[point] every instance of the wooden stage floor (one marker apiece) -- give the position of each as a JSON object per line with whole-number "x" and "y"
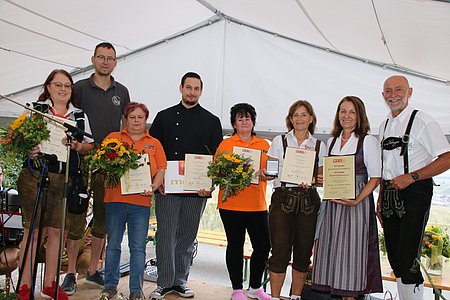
{"x": 203, "y": 291}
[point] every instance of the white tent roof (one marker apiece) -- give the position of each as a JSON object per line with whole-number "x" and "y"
{"x": 268, "y": 53}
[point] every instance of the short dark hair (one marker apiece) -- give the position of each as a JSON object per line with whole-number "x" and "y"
{"x": 191, "y": 75}
{"x": 46, "y": 94}
{"x": 309, "y": 108}
{"x": 130, "y": 107}
{"x": 242, "y": 110}
{"x": 104, "y": 45}
{"x": 362, "y": 122}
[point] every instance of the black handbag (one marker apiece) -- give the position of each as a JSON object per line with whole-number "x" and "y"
{"x": 78, "y": 199}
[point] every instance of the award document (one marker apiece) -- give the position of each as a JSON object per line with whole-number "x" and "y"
{"x": 174, "y": 178}
{"x": 57, "y": 132}
{"x": 136, "y": 181}
{"x": 196, "y": 172}
{"x": 298, "y": 166}
{"x": 254, "y": 155}
{"x": 339, "y": 177}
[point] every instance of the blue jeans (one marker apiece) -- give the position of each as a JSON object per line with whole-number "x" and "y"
{"x": 136, "y": 217}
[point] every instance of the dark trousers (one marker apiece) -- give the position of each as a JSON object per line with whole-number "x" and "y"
{"x": 404, "y": 235}
{"x": 256, "y": 224}
{"x": 292, "y": 224}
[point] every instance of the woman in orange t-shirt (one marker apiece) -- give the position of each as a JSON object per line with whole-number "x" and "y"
{"x": 131, "y": 211}
{"x": 247, "y": 211}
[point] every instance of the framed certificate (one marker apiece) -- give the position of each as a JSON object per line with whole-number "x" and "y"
{"x": 196, "y": 172}
{"x": 298, "y": 166}
{"x": 136, "y": 181}
{"x": 174, "y": 178}
{"x": 254, "y": 155}
{"x": 57, "y": 132}
{"x": 339, "y": 177}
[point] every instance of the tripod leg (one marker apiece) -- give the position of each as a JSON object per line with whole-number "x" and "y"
{"x": 32, "y": 237}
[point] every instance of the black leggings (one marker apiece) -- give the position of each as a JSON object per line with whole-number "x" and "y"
{"x": 404, "y": 235}
{"x": 256, "y": 224}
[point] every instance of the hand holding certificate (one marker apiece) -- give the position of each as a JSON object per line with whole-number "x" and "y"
{"x": 339, "y": 177}
{"x": 196, "y": 172}
{"x": 136, "y": 181}
{"x": 298, "y": 166}
{"x": 54, "y": 144}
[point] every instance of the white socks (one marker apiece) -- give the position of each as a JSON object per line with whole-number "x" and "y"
{"x": 296, "y": 297}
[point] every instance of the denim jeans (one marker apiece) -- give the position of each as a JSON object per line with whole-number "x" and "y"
{"x": 136, "y": 217}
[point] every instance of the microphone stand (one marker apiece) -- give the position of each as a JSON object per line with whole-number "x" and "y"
{"x": 71, "y": 130}
{"x": 76, "y": 131}
{"x": 63, "y": 215}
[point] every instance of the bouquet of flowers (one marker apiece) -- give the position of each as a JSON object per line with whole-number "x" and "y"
{"x": 435, "y": 243}
{"x": 112, "y": 158}
{"x": 230, "y": 172}
{"x": 16, "y": 142}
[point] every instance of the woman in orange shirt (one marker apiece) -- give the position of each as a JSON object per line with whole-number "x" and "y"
{"x": 247, "y": 211}
{"x": 132, "y": 211}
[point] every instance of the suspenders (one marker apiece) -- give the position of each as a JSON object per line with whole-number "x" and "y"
{"x": 404, "y": 142}
{"x": 316, "y": 163}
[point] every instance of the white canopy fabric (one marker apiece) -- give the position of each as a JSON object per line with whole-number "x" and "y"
{"x": 264, "y": 52}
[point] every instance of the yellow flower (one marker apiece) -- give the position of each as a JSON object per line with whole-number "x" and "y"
{"x": 17, "y": 122}
{"x": 113, "y": 143}
{"x": 239, "y": 169}
{"x": 100, "y": 152}
{"x": 436, "y": 237}
{"x": 430, "y": 246}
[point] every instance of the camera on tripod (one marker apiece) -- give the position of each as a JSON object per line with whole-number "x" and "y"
{"x": 10, "y": 218}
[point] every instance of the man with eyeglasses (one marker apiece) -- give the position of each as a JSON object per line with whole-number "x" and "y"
{"x": 103, "y": 99}
{"x": 414, "y": 149}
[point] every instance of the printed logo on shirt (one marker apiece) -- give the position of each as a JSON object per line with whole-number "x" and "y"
{"x": 151, "y": 147}
{"x": 116, "y": 100}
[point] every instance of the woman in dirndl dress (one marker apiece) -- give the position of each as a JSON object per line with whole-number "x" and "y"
{"x": 346, "y": 256}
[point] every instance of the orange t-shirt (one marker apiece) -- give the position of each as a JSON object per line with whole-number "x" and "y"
{"x": 253, "y": 197}
{"x": 146, "y": 144}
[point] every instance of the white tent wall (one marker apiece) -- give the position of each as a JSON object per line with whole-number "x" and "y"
{"x": 241, "y": 64}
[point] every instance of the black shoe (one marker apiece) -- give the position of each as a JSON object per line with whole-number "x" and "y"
{"x": 69, "y": 284}
{"x": 183, "y": 291}
{"x": 160, "y": 292}
{"x": 136, "y": 296}
{"x": 108, "y": 293}
{"x": 95, "y": 279}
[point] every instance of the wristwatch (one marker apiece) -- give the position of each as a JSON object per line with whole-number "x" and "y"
{"x": 415, "y": 176}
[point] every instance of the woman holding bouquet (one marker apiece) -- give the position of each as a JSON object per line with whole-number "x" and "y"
{"x": 247, "y": 211}
{"x": 294, "y": 207}
{"x": 132, "y": 210}
{"x": 57, "y": 99}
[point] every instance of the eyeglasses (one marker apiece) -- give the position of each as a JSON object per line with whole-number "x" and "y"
{"x": 105, "y": 58}
{"x": 60, "y": 86}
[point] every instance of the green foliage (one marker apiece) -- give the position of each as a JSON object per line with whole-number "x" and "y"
{"x": 231, "y": 172}
{"x": 16, "y": 142}
{"x": 112, "y": 158}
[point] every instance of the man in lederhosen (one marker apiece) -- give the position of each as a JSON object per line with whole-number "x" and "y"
{"x": 414, "y": 150}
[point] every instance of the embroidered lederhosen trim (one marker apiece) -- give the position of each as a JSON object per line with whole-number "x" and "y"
{"x": 298, "y": 200}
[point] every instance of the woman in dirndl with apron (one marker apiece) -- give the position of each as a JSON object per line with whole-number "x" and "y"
{"x": 346, "y": 256}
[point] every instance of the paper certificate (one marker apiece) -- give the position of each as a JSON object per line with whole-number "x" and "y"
{"x": 174, "y": 178}
{"x": 54, "y": 144}
{"x": 196, "y": 172}
{"x": 298, "y": 166}
{"x": 339, "y": 177}
{"x": 136, "y": 181}
{"x": 254, "y": 155}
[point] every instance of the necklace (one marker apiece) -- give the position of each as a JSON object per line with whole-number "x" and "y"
{"x": 345, "y": 140}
